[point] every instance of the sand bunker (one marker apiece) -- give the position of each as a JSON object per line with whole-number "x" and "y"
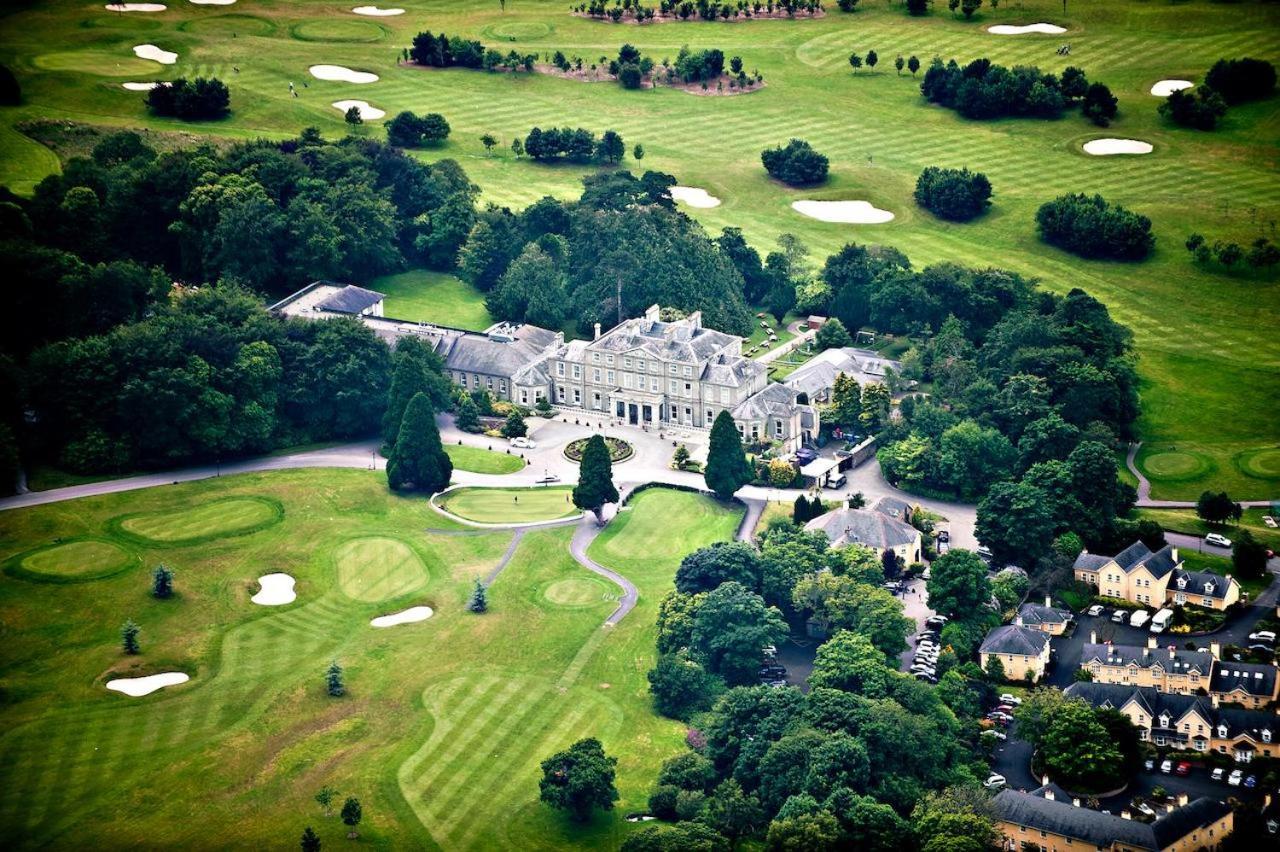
{"x": 345, "y": 75}
{"x": 1006, "y": 29}
{"x": 1165, "y": 88}
{"x": 135, "y": 7}
{"x": 139, "y": 686}
{"x": 368, "y": 113}
{"x": 847, "y": 212}
{"x": 213, "y": 2}
{"x": 375, "y": 12}
{"x": 1103, "y": 147}
{"x": 141, "y": 87}
{"x": 277, "y": 590}
{"x": 408, "y": 616}
{"x": 694, "y": 196}
{"x": 155, "y": 54}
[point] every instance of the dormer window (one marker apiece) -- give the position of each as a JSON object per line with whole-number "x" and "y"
{"x": 1208, "y": 588}
{"x": 1266, "y": 735}
{"x": 1182, "y": 582}
{"x": 1222, "y": 731}
{"x": 1164, "y": 720}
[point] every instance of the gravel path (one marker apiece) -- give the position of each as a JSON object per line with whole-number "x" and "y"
{"x": 582, "y": 538}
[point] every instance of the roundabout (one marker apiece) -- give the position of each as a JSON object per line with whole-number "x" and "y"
{"x": 619, "y": 450}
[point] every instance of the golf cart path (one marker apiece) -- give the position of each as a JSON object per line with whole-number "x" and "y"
{"x": 582, "y": 538}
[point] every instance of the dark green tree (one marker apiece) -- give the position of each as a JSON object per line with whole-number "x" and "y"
{"x": 727, "y": 469}
{"x": 333, "y": 681}
{"x": 162, "y": 582}
{"x": 310, "y": 840}
{"x": 1248, "y": 556}
{"x": 832, "y": 334}
{"x": 595, "y": 479}
{"x": 418, "y": 461}
{"x": 579, "y": 779}
{"x": 325, "y": 797}
{"x": 706, "y": 568}
{"x": 467, "y": 417}
{"x": 351, "y": 815}
{"x": 514, "y": 427}
{"x": 958, "y": 584}
{"x": 730, "y": 629}
{"x": 681, "y": 687}
{"x": 479, "y": 598}
{"x": 129, "y": 637}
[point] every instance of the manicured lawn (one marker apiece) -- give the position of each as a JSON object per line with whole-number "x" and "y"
{"x": 73, "y": 561}
{"x": 760, "y": 335}
{"x": 479, "y": 460}
{"x": 436, "y": 297}
{"x": 509, "y": 505}
{"x": 201, "y": 521}
{"x": 444, "y": 723}
{"x": 1209, "y": 358}
{"x": 1186, "y": 521}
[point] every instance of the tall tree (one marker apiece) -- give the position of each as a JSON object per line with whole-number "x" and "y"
{"x": 479, "y": 598}
{"x": 958, "y": 585}
{"x": 129, "y": 637}
{"x": 595, "y": 479}
{"x": 162, "y": 582}
{"x": 418, "y": 461}
{"x": 731, "y": 627}
{"x": 310, "y": 840}
{"x": 351, "y": 815}
{"x": 579, "y": 779}
{"x": 333, "y": 680}
{"x": 727, "y": 469}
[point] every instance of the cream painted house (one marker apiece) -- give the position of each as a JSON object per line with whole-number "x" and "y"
{"x": 1140, "y": 576}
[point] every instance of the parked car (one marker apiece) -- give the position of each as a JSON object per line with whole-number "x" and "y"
{"x": 994, "y": 781}
{"x": 1139, "y": 618}
{"x": 1251, "y": 782}
{"x": 1149, "y": 765}
{"x": 999, "y": 716}
{"x": 1095, "y": 610}
{"x": 838, "y": 481}
{"x": 1166, "y": 767}
{"x": 1143, "y": 807}
{"x": 1217, "y": 773}
{"x": 943, "y": 535}
{"x": 927, "y": 635}
{"x": 992, "y": 733}
{"x": 1235, "y": 778}
{"x": 1217, "y": 540}
{"x": 1120, "y": 616}
{"x": 938, "y": 621}
{"x": 1263, "y": 636}
{"x": 523, "y": 443}
{"x": 1006, "y": 698}
{"x": 1260, "y": 646}
{"x": 1005, "y": 708}
{"x": 548, "y": 479}
{"x": 804, "y": 455}
{"x": 1184, "y": 768}
{"x": 926, "y": 677}
{"x": 983, "y": 551}
{"x": 773, "y": 672}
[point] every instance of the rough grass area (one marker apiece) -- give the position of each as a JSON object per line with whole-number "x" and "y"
{"x": 443, "y": 726}
{"x": 509, "y": 505}
{"x": 436, "y": 297}
{"x": 478, "y": 460}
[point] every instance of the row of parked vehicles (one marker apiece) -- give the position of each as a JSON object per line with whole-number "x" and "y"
{"x": 1135, "y": 617}
{"x": 1234, "y": 778}
{"x": 924, "y": 663}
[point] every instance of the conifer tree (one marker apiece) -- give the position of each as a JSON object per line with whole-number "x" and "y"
{"x": 310, "y": 841}
{"x": 418, "y": 461}
{"x": 595, "y": 479}
{"x": 467, "y": 417}
{"x": 408, "y": 380}
{"x": 129, "y": 637}
{"x": 352, "y": 813}
{"x": 479, "y": 598}
{"x": 727, "y": 469}
{"x": 333, "y": 680}
{"x": 515, "y": 426}
{"x": 162, "y": 582}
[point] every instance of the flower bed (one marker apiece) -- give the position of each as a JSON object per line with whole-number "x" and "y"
{"x": 619, "y": 450}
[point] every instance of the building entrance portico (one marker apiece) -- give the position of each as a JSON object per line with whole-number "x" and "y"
{"x": 637, "y": 409}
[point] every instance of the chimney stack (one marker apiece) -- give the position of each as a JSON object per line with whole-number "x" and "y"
{"x": 597, "y": 332}
{"x": 1124, "y": 814}
{"x": 1173, "y": 652}
{"x": 1151, "y": 641}
{"x": 1075, "y": 803}
{"x": 1017, "y": 619}
{"x": 1182, "y": 800}
{"x": 1169, "y": 809}
{"x": 1048, "y": 601}
{"x": 1215, "y": 648}
{"x": 1048, "y": 794}
{"x": 1093, "y": 637}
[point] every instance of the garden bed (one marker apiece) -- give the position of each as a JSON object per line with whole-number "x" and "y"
{"x": 619, "y": 450}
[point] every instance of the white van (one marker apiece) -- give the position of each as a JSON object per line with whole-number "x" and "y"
{"x": 1139, "y": 618}
{"x": 1161, "y": 620}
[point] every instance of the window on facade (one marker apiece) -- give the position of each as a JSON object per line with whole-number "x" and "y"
{"x": 595, "y": 357}
{"x": 524, "y": 396}
{"x": 577, "y": 371}
{"x": 502, "y": 385}
{"x": 777, "y": 428}
{"x": 595, "y": 375}
{"x": 577, "y": 397}
{"x": 626, "y": 362}
{"x": 672, "y": 369}
{"x": 595, "y": 400}
{"x": 688, "y": 389}
{"x": 626, "y": 380}
{"x": 653, "y": 385}
{"x": 672, "y": 385}
{"x": 560, "y": 393}
{"x": 560, "y": 369}
{"x": 608, "y": 359}
{"x": 489, "y": 382}
{"x": 710, "y": 416}
{"x": 611, "y": 377}
{"x": 688, "y": 371}
{"x": 724, "y": 396}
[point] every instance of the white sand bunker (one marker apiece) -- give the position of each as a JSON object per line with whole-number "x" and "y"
{"x": 1007, "y": 29}
{"x": 213, "y": 2}
{"x": 1165, "y": 88}
{"x": 408, "y": 616}
{"x": 847, "y": 212}
{"x": 694, "y": 196}
{"x": 1103, "y": 147}
{"x": 135, "y": 7}
{"x": 375, "y": 12}
{"x": 368, "y": 113}
{"x": 345, "y": 75}
{"x": 277, "y": 590}
{"x": 141, "y": 87}
{"x": 139, "y": 686}
{"x": 155, "y": 54}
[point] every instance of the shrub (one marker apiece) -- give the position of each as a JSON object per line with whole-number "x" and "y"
{"x": 983, "y": 89}
{"x": 1099, "y": 104}
{"x": 954, "y": 194}
{"x": 1199, "y": 108}
{"x": 191, "y": 100}
{"x": 1091, "y": 227}
{"x": 1240, "y": 80}
{"x": 408, "y": 130}
{"x": 798, "y": 164}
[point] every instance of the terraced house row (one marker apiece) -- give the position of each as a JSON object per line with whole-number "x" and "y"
{"x": 646, "y": 371}
{"x": 1172, "y": 670}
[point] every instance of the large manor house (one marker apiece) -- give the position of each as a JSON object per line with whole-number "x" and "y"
{"x": 644, "y": 371}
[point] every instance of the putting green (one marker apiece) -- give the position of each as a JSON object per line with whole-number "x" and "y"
{"x": 131, "y": 23}
{"x": 378, "y": 569}
{"x": 1260, "y": 464}
{"x": 1175, "y": 465}
{"x": 477, "y": 460}
{"x": 576, "y": 591}
{"x": 519, "y": 30}
{"x": 231, "y": 516}
{"x": 73, "y": 561}
{"x": 339, "y": 31}
{"x": 103, "y": 63}
{"x": 229, "y": 25}
{"x": 509, "y": 505}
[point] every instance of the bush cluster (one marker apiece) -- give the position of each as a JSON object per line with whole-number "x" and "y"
{"x": 1092, "y": 227}
{"x": 408, "y": 130}
{"x": 444, "y": 52}
{"x": 576, "y": 145}
{"x": 1240, "y": 80}
{"x": 955, "y": 194}
{"x": 984, "y": 90}
{"x": 200, "y": 99}
{"x": 1199, "y": 108}
{"x": 798, "y": 164}
{"x": 1260, "y": 255}
{"x": 707, "y": 10}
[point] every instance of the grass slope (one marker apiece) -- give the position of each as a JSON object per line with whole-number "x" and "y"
{"x": 1208, "y": 358}
{"x": 478, "y": 460}
{"x": 445, "y": 720}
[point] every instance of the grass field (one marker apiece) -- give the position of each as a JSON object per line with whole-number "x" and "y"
{"x": 509, "y": 505}
{"x": 444, "y": 722}
{"x": 425, "y": 296}
{"x": 1210, "y": 361}
{"x": 477, "y": 460}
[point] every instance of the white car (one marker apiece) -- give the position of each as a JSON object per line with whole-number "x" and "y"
{"x": 1263, "y": 636}
{"x": 1095, "y": 610}
{"x": 523, "y": 443}
{"x": 1217, "y": 773}
{"x": 1217, "y": 540}
{"x": 983, "y": 551}
{"x": 1166, "y": 767}
{"x": 1006, "y": 698}
{"x": 994, "y": 781}
{"x": 995, "y": 735}
{"x": 1235, "y": 778}
{"x": 1143, "y": 807}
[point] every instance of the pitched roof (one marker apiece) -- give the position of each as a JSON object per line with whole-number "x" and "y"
{"x": 1034, "y": 810}
{"x": 862, "y": 526}
{"x": 1201, "y": 583}
{"x": 732, "y": 370}
{"x": 683, "y": 340}
{"x": 1169, "y": 658}
{"x": 351, "y": 300}
{"x": 1012, "y": 639}
{"x": 1253, "y": 678}
{"x": 892, "y": 506}
{"x": 1192, "y": 816}
{"x": 1091, "y": 561}
{"x": 501, "y": 351}
{"x": 1238, "y": 721}
{"x": 1033, "y": 614}
{"x": 1133, "y": 557}
{"x": 773, "y": 400}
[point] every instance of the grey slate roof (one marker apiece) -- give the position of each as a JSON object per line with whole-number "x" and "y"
{"x": 1102, "y": 830}
{"x": 683, "y": 341}
{"x": 1087, "y": 561}
{"x": 1012, "y": 639}
{"x": 1143, "y": 657}
{"x": 862, "y": 526}
{"x": 1199, "y": 583}
{"x": 732, "y": 370}
{"x": 891, "y": 506}
{"x": 773, "y": 400}
{"x": 502, "y": 351}
{"x": 1252, "y": 678}
{"x": 1131, "y": 558}
{"x": 1033, "y": 614}
{"x": 351, "y": 300}
{"x": 1239, "y": 721}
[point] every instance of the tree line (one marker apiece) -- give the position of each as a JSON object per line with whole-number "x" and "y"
{"x": 200, "y": 99}
{"x": 985, "y": 90}
{"x": 443, "y": 51}
{"x": 706, "y": 10}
